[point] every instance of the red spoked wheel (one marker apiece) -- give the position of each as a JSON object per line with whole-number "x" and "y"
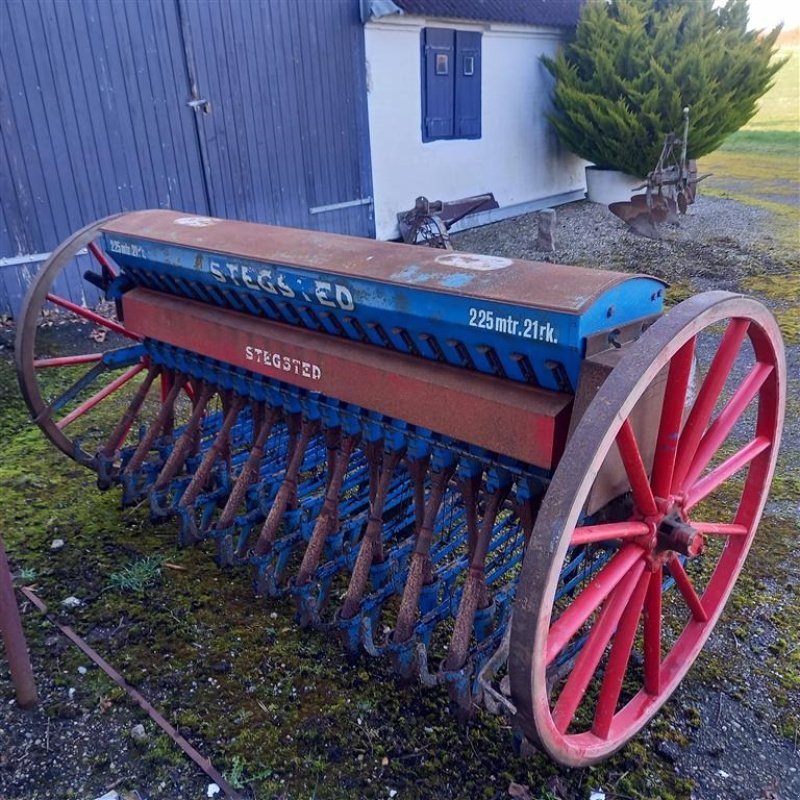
{"x": 612, "y": 609}
{"x": 78, "y": 366}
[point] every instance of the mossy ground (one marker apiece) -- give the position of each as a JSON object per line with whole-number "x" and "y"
{"x": 280, "y": 709}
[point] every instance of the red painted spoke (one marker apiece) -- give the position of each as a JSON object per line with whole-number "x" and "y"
{"x": 680, "y": 370}
{"x": 166, "y": 384}
{"x": 100, "y": 396}
{"x": 730, "y": 466}
{"x": 684, "y": 584}
{"x": 589, "y": 534}
{"x": 634, "y": 467}
{"x": 102, "y": 259}
{"x": 719, "y": 529}
{"x": 593, "y": 649}
{"x": 707, "y": 398}
{"x": 582, "y": 607}
{"x": 67, "y": 361}
{"x": 652, "y": 634}
{"x": 92, "y": 316}
{"x": 728, "y": 417}
{"x": 618, "y": 659}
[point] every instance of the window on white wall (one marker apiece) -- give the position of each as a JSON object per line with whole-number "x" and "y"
{"x": 451, "y": 84}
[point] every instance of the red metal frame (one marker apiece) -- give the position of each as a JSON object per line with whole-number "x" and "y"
{"x": 92, "y": 316}
{"x": 505, "y": 417}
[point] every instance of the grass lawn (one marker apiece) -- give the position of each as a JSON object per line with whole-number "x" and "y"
{"x": 760, "y": 164}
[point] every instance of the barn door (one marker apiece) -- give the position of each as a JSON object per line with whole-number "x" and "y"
{"x": 279, "y": 99}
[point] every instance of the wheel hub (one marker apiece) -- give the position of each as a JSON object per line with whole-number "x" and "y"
{"x": 678, "y": 536}
{"x": 669, "y": 535}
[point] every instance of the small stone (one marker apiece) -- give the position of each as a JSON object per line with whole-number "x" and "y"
{"x": 384, "y": 762}
{"x": 273, "y": 615}
{"x": 57, "y": 544}
{"x": 212, "y": 790}
{"x": 669, "y": 751}
{"x": 82, "y": 670}
{"x": 722, "y": 773}
{"x": 71, "y": 602}
{"x": 139, "y": 734}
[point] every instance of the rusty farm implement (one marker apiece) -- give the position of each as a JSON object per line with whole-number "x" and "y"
{"x": 670, "y": 188}
{"x": 502, "y": 476}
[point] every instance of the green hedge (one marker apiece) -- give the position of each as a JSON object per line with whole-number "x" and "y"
{"x": 633, "y": 65}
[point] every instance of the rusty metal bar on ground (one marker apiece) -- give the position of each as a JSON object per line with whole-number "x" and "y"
{"x": 141, "y": 701}
{"x": 19, "y": 660}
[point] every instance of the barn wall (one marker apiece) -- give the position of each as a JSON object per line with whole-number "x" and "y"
{"x": 518, "y": 157}
{"x": 95, "y": 119}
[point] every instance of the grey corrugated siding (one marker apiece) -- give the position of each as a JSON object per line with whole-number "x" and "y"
{"x": 93, "y": 117}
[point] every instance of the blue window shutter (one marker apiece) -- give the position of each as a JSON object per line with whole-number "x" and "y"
{"x": 439, "y": 66}
{"x": 468, "y": 85}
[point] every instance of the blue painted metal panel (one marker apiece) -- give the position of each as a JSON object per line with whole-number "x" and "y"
{"x": 286, "y": 125}
{"x": 400, "y": 314}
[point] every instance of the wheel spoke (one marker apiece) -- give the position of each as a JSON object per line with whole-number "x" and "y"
{"x": 634, "y": 467}
{"x": 619, "y": 658}
{"x": 589, "y": 534}
{"x": 102, "y": 259}
{"x": 582, "y": 607}
{"x": 684, "y": 584}
{"x": 719, "y": 529}
{"x": 67, "y": 361}
{"x": 69, "y": 394}
{"x": 593, "y": 649}
{"x": 730, "y": 466}
{"x": 652, "y": 634}
{"x": 680, "y": 370}
{"x": 100, "y": 396}
{"x": 728, "y": 417}
{"x": 707, "y": 398}
{"x": 92, "y": 316}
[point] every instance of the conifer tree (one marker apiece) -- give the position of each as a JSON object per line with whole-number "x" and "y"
{"x": 621, "y": 84}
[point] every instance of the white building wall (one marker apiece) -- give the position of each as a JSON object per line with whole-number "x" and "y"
{"x": 518, "y": 156}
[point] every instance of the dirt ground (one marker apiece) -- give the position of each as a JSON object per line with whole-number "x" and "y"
{"x": 283, "y": 714}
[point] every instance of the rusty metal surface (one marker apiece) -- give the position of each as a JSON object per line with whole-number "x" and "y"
{"x": 549, "y": 286}
{"x": 19, "y": 660}
{"x": 429, "y": 221}
{"x": 512, "y": 419}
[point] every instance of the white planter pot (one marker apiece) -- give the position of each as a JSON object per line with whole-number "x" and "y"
{"x": 609, "y": 185}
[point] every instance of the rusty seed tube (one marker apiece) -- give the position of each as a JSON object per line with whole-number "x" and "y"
{"x": 156, "y": 426}
{"x": 123, "y": 426}
{"x": 371, "y": 545}
{"x": 327, "y": 519}
{"x": 287, "y": 491}
{"x": 420, "y": 560}
{"x": 187, "y": 441}
{"x": 474, "y": 593}
{"x": 245, "y": 477}
{"x": 200, "y": 478}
